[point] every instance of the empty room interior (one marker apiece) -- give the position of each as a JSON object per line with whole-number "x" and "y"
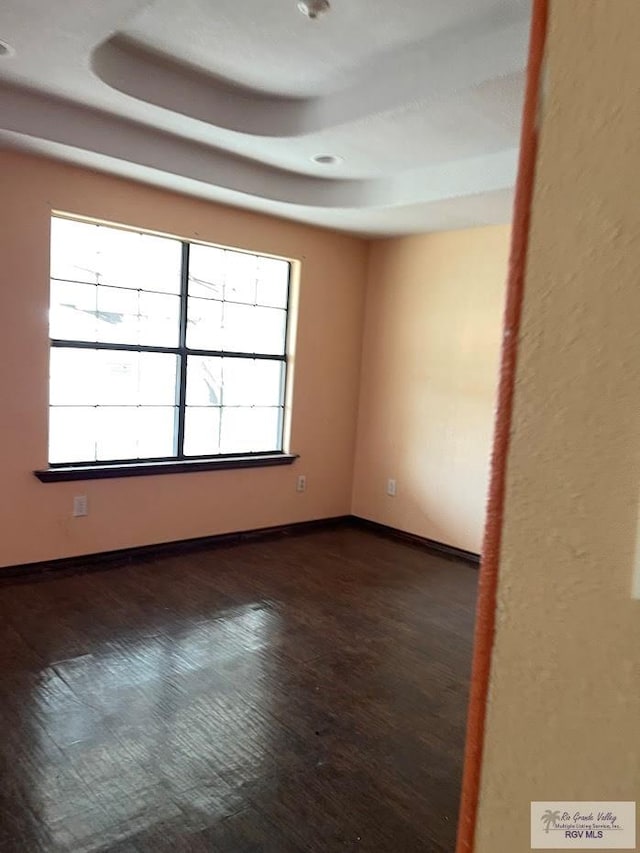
{"x": 254, "y": 267}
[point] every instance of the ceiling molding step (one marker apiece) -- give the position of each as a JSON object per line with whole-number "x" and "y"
{"x": 374, "y": 120}
{"x": 420, "y": 73}
{"x": 31, "y": 114}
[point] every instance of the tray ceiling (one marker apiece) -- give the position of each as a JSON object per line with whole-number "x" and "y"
{"x": 232, "y": 99}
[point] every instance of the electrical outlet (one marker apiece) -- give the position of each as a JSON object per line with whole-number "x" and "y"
{"x": 391, "y": 488}
{"x": 80, "y": 506}
{"x": 301, "y": 483}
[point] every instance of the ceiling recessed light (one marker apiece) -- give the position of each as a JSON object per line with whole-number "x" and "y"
{"x": 327, "y": 159}
{"x": 5, "y": 49}
{"x": 314, "y": 8}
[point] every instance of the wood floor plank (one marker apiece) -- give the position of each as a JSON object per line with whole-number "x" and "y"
{"x": 301, "y": 694}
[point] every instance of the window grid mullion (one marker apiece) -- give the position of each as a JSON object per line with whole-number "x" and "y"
{"x": 108, "y": 345}
{"x": 213, "y": 353}
{"x": 182, "y": 345}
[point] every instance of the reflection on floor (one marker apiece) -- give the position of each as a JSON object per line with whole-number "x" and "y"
{"x": 300, "y": 694}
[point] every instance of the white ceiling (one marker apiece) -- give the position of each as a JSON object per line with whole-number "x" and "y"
{"x": 230, "y": 100}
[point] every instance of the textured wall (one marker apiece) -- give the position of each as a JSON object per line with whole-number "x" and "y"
{"x": 430, "y": 362}
{"x": 564, "y": 706}
{"x": 35, "y": 518}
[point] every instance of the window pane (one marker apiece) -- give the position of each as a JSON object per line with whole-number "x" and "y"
{"x": 204, "y": 381}
{"x": 158, "y": 379}
{"x": 156, "y": 431}
{"x": 134, "y": 379}
{"x": 254, "y": 329}
{"x": 159, "y": 319}
{"x": 206, "y": 271}
{"x": 273, "y": 282}
{"x": 204, "y": 324}
{"x": 72, "y": 375}
{"x": 82, "y": 251}
{"x": 161, "y": 264}
{"x": 249, "y": 382}
{"x": 269, "y": 383}
{"x": 116, "y": 432}
{"x": 251, "y": 329}
{"x": 272, "y": 329}
{"x": 246, "y": 430}
{"x": 238, "y": 381}
{"x": 72, "y": 434}
{"x": 74, "y": 250}
{"x": 132, "y": 432}
{"x": 236, "y": 431}
{"x": 110, "y": 378}
{"x": 117, "y": 378}
{"x": 83, "y": 312}
{"x": 202, "y": 431}
{"x": 72, "y": 314}
{"x": 240, "y": 278}
{"x": 117, "y": 315}
{"x": 238, "y": 335}
{"x": 139, "y": 261}
{"x": 267, "y": 428}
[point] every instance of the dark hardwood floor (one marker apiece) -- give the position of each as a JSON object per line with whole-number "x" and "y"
{"x": 301, "y": 694}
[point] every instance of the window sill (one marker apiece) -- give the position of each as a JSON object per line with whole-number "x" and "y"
{"x": 173, "y": 466}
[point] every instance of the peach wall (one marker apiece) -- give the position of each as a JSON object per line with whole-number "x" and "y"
{"x": 563, "y": 718}
{"x": 430, "y": 361}
{"x": 35, "y": 518}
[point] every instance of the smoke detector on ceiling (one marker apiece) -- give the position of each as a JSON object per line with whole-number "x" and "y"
{"x": 327, "y": 159}
{"x": 314, "y": 8}
{"x": 5, "y": 49}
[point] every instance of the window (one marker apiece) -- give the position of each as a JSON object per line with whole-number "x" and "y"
{"x": 162, "y": 349}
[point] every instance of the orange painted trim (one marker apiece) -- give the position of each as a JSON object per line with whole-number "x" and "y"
{"x": 485, "y": 617}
